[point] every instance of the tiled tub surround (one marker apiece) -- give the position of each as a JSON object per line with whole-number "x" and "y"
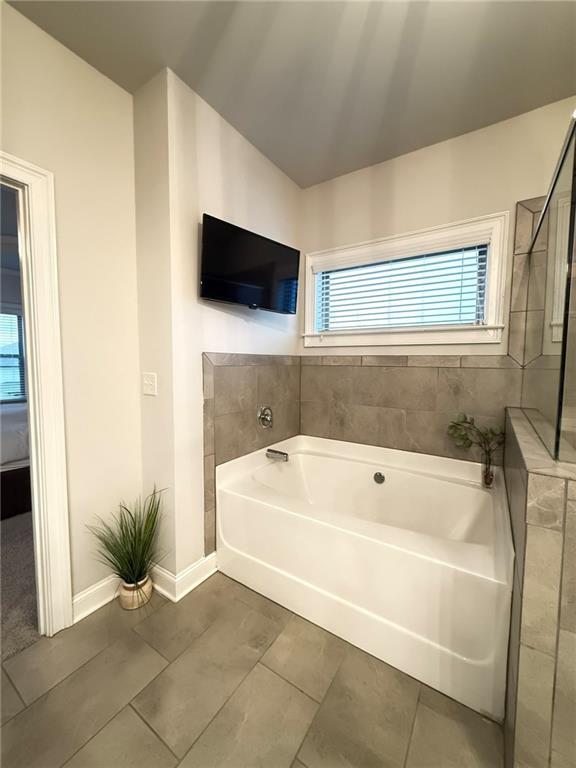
{"x": 541, "y": 708}
{"x": 235, "y": 386}
{"x": 405, "y": 402}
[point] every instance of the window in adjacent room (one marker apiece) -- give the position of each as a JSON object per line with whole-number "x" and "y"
{"x": 438, "y": 286}
{"x": 12, "y": 363}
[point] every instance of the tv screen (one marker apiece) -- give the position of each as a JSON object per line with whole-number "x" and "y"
{"x": 244, "y": 268}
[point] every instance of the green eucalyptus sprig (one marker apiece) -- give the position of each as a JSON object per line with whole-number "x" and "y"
{"x": 466, "y": 433}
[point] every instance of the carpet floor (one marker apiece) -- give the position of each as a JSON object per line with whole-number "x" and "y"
{"x": 18, "y": 590}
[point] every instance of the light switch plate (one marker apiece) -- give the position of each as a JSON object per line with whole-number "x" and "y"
{"x": 149, "y": 384}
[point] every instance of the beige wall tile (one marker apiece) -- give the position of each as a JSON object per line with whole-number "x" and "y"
{"x": 519, "y": 297}
{"x": 546, "y": 501}
{"x": 541, "y": 242}
{"x": 534, "y": 708}
{"x": 534, "y": 335}
{"x": 488, "y": 361}
{"x": 209, "y": 531}
{"x": 427, "y": 433}
{"x": 540, "y": 392}
{"x": 235, "y": 389}
{"x": 568, "y": 599}
{"x": 537, "y": 280}
{"x": 277, "y": 382}
{"x": 434, "y": 361}
{"x": 541, "y": 592}
{"x": 368, "y": 424}
{"x": 516, "y": 336}
{"x": 209, "y": 487}
{"x": 341, "y": 360}
{"x": 311, "y": 360}
{"x": 517, "y": 490}
{"x": 315, "y": 418}
{"x": 564, "y": 725}
{"x": 523, "y": 230}
{"x": 207, "y": 377}
{"x": 387, "y": 361}
{"x": 239, "y": 433}
{"x": 481, "y": 392}
{"x": 403, "y": 388}
{"x": 208, "y": 426}
{"x": 235, "y": 435}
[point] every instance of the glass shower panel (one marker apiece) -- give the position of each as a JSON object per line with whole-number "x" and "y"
{"x": 545, "y": 385}
{"x": 567, "y": 427}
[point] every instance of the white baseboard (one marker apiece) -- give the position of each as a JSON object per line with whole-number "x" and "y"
{"x": 94, "y": 597}
{"x": 176, "y": 587}
{"x": 168, "y": 585}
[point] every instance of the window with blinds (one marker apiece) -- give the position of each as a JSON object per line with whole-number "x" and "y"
{"x": 432, "y": 290}
{"x": 12, "y": 364}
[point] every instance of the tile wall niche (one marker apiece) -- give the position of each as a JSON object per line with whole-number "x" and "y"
{"x": 235, "y": 386}
{"x": 541, "y": 686}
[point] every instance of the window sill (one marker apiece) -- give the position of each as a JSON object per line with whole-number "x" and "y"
{"x": 406, "y": 337}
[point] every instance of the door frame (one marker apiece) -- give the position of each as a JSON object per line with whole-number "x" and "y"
{"x": 48, "y": 468}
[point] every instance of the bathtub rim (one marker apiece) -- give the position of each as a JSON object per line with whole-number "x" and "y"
{"x": 502, "y": 547}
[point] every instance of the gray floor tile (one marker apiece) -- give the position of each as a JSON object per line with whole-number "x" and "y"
{"x": 11, "y": 702}
{"x": 263, "y": 724}
{"x": 449, "y": 735}
{"x": 173, "y": 627}
{"x": 268, "y": 608}
{"x": 307, "y": 656}
{"x": 180, "y": 703}
{"x": 46, "y": 663}
{"x": 126, "y": 742}
{"x": 55, "y": 726}
{"x": 366, "y": 718}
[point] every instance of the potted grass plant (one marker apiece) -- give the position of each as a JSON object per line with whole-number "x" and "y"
{"x": 466, "y": 433}
{"x": 129, "y": 546}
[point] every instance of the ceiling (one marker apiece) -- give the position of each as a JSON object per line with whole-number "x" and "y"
{"x": 324, "y": 88}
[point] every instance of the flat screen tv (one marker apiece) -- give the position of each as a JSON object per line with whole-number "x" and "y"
{"x": 241, "y": 267}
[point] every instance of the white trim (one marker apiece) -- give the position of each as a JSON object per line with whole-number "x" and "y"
{"x": 168, "y": 585}
{"x": 176, "y": 587}
{"x": 38, "y": 262}
{"x": 94, "y": 597}
{"x": 491, "y": 229}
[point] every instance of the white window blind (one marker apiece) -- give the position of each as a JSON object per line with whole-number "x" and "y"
{"x": 12, "y": 365}
{"x": 437, "y": 289}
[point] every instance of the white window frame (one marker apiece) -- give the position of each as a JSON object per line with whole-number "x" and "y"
{"x": 491, "y": 230}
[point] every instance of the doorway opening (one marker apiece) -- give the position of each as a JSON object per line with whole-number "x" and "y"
{"x": 36, "y": 569}
{"x": 18, "y": 592}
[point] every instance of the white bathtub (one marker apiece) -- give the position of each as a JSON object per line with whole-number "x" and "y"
{"x": 416, "y": 571}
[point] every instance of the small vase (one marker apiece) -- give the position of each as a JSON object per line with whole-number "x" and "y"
{"x": 487, "y": 476}
{"x": 134, "y": 596}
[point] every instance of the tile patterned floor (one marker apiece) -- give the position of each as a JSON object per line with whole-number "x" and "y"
{"x": 224, "y": 679}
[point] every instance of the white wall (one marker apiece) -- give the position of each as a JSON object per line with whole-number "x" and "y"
{"x": 212, "y": 169}
{"x": 482, "y": 172}
{"x": 61, "y": 114}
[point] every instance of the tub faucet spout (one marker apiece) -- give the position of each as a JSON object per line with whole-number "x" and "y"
{"x": 272, "y": 453}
